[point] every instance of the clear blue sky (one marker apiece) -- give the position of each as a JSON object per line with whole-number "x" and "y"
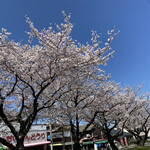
{"x": 131, "y": 62}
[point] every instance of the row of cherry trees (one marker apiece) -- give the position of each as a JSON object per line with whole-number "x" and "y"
{"x": 106, "y": 105}
{"x": 61, "y": 76}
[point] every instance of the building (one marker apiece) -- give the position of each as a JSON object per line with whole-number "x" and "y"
{"x": 35, "y": 139}
{"x": 61, "y": 137}
{"x": 93, "y": 138}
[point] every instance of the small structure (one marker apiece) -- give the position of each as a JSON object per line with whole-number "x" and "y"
{"x": 61, "y": 137}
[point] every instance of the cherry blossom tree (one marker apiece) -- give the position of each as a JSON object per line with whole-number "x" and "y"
{"x": 113, "y": 108}
{"x": 74, "y": 103}
{"x": 105, "y": 109}
{"x": 34, "y": 77}
{"x": 80, "y": 96}
{"x": 139, "y": 123}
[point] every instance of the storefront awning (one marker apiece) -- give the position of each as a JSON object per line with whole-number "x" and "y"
{"x": 36, "y": 144}
{"x": 101, "y": 142}
{"x": 69, "y": 143}
{"x": 60, "y": 144}
{"x": 91, "y": 142}
{"x": 87, "y": 143}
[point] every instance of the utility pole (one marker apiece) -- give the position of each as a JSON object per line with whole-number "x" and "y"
{"x": 51, "y": 135}
{"x": 63, "y": 137}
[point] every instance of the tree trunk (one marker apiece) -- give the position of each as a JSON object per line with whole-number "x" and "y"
{"x": 144, "y": 138}
{"x": 20, "y": 144}
{"x": 77, "y": 134}
{"x": 142, "y": 141}
{"x": 110, "y": 137}
{"x": 112, "y": 144}
{"x": 72, "y": 132}
{"x": 139, "y": 140}
{"x": 77, "y": 146}
{"x": 20, "y": 147}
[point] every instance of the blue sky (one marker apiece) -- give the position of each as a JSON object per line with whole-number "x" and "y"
{"x": 131, "y": 62}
